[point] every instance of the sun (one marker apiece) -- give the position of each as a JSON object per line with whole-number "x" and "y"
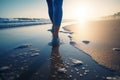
{"x": 81, "y": 13}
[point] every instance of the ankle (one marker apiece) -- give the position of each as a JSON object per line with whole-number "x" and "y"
{"x": 55, "y": 35}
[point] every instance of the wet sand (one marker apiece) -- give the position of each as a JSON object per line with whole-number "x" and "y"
{"x": 26, "y": 53}
{"x": 102, "y": 39}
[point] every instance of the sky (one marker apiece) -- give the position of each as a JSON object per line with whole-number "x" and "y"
{"x": 72, "y": 9}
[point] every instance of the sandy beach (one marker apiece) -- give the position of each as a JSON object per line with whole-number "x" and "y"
{"x": 26, "y": 53}
{"x": 99, "y": 39}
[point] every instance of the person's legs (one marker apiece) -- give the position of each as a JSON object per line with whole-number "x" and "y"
{"x": 50, "y": 9}
{"x": 57, "y": 16}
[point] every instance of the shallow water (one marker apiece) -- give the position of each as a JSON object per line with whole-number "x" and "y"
{"x": 103, "y": 36}
{"x": 25, "y": 54}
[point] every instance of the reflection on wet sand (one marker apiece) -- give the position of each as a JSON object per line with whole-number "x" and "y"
{"x": 103, "y": 38}
{"x": 57, "y": 68}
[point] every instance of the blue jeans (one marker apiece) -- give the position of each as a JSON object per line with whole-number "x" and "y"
{"x": 55, "y": 11}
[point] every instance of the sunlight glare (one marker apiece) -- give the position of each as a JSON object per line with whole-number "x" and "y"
{"x": 82, "y": 13}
